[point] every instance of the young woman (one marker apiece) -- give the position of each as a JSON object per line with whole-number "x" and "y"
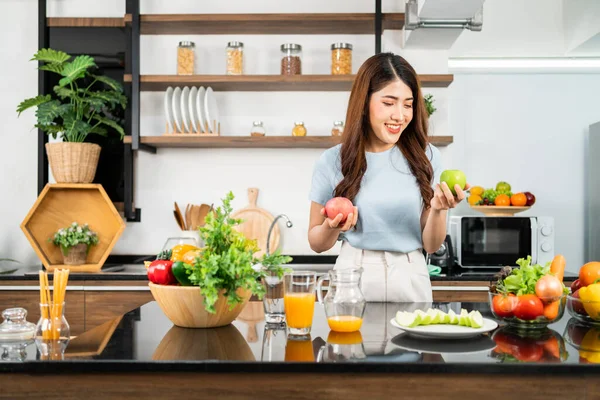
{"x": 387, "y": 168}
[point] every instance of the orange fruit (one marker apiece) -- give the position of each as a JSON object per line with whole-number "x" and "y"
{"x": 502, "y": 200}
{"x": 473, "y": 199}
{"x": 518, "y": 199}
{"x": 477, "y": 190}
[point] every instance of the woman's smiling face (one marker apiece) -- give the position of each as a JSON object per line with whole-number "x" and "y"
{"x": 390, "y": 112}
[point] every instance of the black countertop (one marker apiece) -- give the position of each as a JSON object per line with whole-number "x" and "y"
{"x": 145, "y": 340}
{"x": 133, "y": 272}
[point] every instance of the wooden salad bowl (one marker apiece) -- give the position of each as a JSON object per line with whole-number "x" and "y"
{"x": 184, "y": 306}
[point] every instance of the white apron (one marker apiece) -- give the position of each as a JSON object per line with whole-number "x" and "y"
{"x": 389, "y": 276}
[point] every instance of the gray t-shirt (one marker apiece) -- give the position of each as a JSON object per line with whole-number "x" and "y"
{"x": 389, "y": 201}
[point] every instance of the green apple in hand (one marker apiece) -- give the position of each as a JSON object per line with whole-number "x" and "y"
{"x": 454, "y": 177}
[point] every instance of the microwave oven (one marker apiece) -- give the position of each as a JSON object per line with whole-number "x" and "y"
{"x": 490, "y": 242}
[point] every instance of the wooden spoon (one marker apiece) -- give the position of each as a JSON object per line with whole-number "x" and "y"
{"x": 188, "y": 216}
{"x": 195, "y": 217}
{"x": 179, "y": 217}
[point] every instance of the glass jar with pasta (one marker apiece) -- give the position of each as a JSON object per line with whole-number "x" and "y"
{"x": 235, "y": 58}
{"x": 341, "y": 58}
{"x": 186, "y": 58}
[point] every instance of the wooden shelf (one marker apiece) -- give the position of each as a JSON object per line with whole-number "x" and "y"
{"x": 216, "y": 24}
{"x": 273, "y": 142}
{"x": 243, "y": 83}
{"x": 85, "y": 22}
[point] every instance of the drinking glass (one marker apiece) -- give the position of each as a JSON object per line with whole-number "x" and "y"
{"x": 299, "y": 301}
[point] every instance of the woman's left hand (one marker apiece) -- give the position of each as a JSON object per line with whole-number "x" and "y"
{"x": 443, "y": 199}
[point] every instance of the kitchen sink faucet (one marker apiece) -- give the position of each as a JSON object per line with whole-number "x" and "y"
{"x": 288, "y": 224}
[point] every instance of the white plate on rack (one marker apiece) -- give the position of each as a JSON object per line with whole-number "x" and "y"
{"x": 176, "y": 106}
{"x": 168, "y": 110}
{"x": 192, "y": 108}
{"x": 445, "y": 331}
{"x": 185, "y": 109}
{"x": 211, "y": 111}
{"x": 200, "y": 109}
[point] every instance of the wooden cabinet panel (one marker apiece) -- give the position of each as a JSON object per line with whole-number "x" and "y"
{"x": 103, "y": 306}
{"x": 30, "y": 300}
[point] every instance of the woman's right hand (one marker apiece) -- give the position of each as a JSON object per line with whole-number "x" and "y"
{"x": 335, "y": 223}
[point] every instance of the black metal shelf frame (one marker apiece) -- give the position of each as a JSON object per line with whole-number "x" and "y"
{"x": 132, "y": 90}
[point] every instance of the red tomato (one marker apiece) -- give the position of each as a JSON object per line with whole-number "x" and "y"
{"x": 529, "y": 307}
{"x": 529, "y": 352}
{"x": 503, "y": 306}
{"x": 577, "y": 304}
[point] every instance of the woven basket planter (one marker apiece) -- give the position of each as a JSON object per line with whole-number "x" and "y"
{"x": 76, "y": 255}
{"x": 73, "y": 162}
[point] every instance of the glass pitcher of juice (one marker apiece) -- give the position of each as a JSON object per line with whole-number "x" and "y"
{"x": 344, "y": 302}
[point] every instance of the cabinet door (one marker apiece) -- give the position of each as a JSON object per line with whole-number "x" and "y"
{"x": 104, "y": 305}
{"x": 30, "y": 300}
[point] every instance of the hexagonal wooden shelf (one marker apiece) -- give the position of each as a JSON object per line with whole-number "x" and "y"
{"x": 61, "y": 204}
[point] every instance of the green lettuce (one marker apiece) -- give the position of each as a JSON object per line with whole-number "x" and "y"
{"x": 522, "y": 280}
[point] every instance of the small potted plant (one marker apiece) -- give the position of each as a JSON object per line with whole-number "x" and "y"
{"x": 429, "y": 104}
{"x": 83, "y": 103}
{"x": 75, "y": 242}
{"x": 272, "y": 268}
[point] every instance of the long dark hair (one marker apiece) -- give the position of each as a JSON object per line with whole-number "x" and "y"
{"x": 377, "y": 72}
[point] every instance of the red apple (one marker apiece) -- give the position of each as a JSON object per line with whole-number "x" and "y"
{"x": 577, "y": 304}
{"x": 575, "y": 286}
{"x": 530, "y": 199}
{"x": 339, "y": 205}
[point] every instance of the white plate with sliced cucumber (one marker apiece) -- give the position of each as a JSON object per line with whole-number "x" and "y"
{"x": 437, "y": 324}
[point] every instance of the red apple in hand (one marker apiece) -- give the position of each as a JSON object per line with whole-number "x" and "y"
{"x": 339, "y": 205}
{"x": 530, "y": 199}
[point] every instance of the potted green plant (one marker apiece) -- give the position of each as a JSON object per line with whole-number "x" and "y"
{"x": 272, "y": 267}
{"x": 74, "y": 242}
{"x": 429, "y": 104}
{"x": 222, "y": 278}
{"x": 81, "y": 105}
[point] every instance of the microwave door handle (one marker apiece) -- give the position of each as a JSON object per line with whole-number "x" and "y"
{"x": 534, "y": 241}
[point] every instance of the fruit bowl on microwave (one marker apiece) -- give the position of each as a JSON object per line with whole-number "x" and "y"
{"x": 499, "y": 201}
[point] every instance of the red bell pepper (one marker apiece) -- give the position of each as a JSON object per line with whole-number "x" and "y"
{"x": 159, "y": 271}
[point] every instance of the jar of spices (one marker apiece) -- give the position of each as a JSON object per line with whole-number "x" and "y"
{"x": 185, "y": 58}
{"x": 299, "y": 129}
{"x": 235, "y": 58}
{"x": 291, "y": 61}
{"x": 338, "y": 128}
{"x": 257, "y": 129}
{"x": 341, "y": 58}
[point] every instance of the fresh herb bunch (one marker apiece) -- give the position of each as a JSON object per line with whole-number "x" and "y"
{"x": 226, "y": 260}
{"x": 274, "y": 262}
{"x": 81, "y": 105}
{"x": 429, "y": 104}
{"x": 73, "y": 235}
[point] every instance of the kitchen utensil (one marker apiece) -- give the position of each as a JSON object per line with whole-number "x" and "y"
{"x": 200, "y": 110}
{"x": 203, "y": 211}
{"x": 188, "y": 216}
{"x": 444, "y": 331}
{"x": 211, "y": 110}
{"x": 344, "y": 303}
{"x": 192, "y": 109}
{"x": 195, "y": 217}
{"x": 176, "y": 107}
{"x": 256, "y": 223}
{"x": 180, "y": 219}
{"x": 185, "y": 115}
{"x": 168, "y": 101}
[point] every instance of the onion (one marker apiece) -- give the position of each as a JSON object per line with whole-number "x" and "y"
{"x": 548, "y": 287}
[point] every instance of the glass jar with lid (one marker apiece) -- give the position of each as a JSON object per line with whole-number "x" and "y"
{"x": 291, "y": 60}
{"x": 338, "y": 128}
{"x": 235, "y": 58}
{"x": 341, "y": 58}
{"x": 257, "y": 129}
{"x": 15, "y": 327}
{"x": 186, "y": 58}
{"x": 299, "y": 129}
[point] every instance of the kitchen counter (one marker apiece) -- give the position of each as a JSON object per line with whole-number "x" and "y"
{"x": 248, "y": 359}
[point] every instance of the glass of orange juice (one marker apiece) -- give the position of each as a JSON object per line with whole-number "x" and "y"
{"x": 299, "y": 301}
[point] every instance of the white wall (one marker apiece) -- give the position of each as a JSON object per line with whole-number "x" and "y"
{"x": 482, "y": 112}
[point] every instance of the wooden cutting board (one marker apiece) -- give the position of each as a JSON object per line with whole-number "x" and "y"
{"x": 256, "y": 224}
